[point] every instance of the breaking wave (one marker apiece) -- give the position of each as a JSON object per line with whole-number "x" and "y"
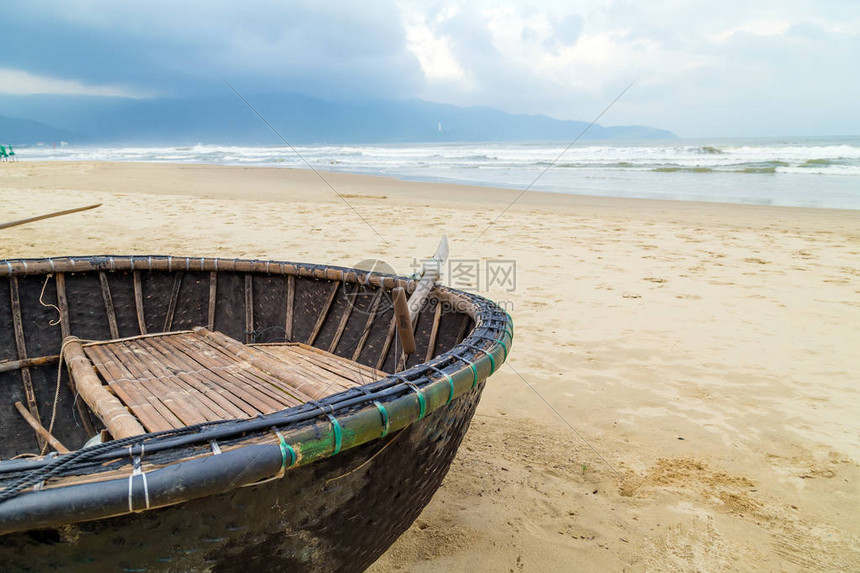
{"x": 645, "y": 169}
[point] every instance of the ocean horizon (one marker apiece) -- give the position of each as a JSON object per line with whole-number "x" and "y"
{"x": 821, "y": 172}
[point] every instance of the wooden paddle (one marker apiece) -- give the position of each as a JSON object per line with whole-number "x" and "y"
{"x": 430, "y": 273}
{"x": 48, "y": 216}
{"x": 406, "y": 313}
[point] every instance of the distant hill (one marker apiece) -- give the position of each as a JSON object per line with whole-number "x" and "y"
{"x": 302, "y": 120}
{"x": 24, "y": 131}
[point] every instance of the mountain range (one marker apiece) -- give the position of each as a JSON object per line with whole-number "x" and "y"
{"x": 298, "y": 118}
{"x": 23, "y": 131}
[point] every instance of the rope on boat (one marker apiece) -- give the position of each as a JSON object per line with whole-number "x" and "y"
{"x": 75, "y": 459}
{"x": 49, "y": 305}
{"x": 365, "y": 462}
{"x": 135, "y": 472}
{"x": 115, "y": 443}
{"x": 62, "y": 355}
{"x": 56, "y": 390}
{"x": 67, "y": 464}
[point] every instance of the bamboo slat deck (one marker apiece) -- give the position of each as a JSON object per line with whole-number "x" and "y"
{"x": 169, "y": 381}
{"x": 327, "y": 373}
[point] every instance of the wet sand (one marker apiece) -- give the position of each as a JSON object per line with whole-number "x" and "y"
{"x": 704, "y": 355}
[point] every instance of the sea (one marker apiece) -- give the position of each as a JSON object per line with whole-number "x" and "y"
{"x": 802, "y": 171}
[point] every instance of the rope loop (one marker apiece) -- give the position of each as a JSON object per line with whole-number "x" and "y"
{"x": 489, "y": 355}
{"x": 286, "y": 450}
{"x": 450, "y": 383}
{"x": 137, "y": 470}
{"x": 386, "y": 423}
{"x": 338, "y": 434}
{"x": 474, "y": 370}
{"x": 504, "y": 345}
{"x": 59, "y": 318}
{"x": 422, "y": 403}
{"x": 510, "y": 322}
{"x": 322, "y": 407}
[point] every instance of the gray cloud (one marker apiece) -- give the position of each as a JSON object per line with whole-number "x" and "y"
{"x": 732, "y": 68}
{"x": 175, "y": 49}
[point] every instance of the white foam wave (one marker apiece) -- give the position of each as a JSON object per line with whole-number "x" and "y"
{"x": 765, "y": 172}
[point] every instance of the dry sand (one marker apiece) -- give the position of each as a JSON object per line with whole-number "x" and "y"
{"x": 708, "y": 353}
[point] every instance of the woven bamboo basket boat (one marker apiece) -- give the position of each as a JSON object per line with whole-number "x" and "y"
{"x": 197, "y": 414}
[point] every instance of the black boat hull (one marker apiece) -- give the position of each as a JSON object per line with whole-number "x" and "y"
{"x": 338, "y": 514}
{"x": 323, "y": 486}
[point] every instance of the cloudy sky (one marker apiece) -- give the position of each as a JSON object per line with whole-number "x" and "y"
{"x": 728, "y": 68}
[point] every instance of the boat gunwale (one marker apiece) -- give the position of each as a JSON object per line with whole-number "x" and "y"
{"x": 335, "y": 424}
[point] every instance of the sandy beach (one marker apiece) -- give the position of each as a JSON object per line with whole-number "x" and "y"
{"x": 683, "y": 391}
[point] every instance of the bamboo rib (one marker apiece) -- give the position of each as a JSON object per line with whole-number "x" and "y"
{"x": 213, "y": 291}
{"x": 434, "y": 332}
{"x": 389, "y": 338}
{"x": 291, "y": 299}
{"x": 63, "y": 304}
{"x": 9, "y": 365}
{"x": 40, "y": 429}
{"x": 461, "y": 334}
{"x": 65, "y": 332}
{"x": 138, "y": 301}
{"x": 21, "y": 348}
{"x": 109, "y": 308}
{"x": 371, "y": 316}
{"x": 174, "y": 298}
{"x": 249, "y": 308}
{"x": 341, "y": 327}
{"x": 323, "y": 313}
